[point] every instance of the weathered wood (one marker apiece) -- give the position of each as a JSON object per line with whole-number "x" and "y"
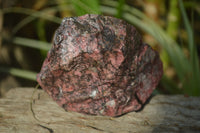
{"x": 162, "y": 114}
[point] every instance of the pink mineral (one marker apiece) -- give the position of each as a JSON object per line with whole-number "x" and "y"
{"x": 98, "y": 65}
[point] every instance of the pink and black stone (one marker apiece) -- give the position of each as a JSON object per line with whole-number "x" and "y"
{"x": 98, "y": 65}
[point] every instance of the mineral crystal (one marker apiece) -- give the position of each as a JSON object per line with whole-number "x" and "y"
{"x": 98, "y": 65}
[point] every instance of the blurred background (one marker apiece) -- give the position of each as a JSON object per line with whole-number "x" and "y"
{"x": 172, "y": 27}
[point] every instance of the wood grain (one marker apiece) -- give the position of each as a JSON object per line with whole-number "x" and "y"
{"x": 162, "y": 114}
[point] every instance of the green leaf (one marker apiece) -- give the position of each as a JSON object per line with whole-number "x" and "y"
{"x": 31, "y": 43}
{"x": 120, "y": 6}
{"x": 194, "y": 82}
{"x": 32, "y": 13}
{"x": 36, "y": 14}
{"x": 86, "y": 7}
{"x": 19, "y": 73}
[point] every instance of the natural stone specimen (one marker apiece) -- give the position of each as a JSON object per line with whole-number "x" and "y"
{"x": 99, "y": 65}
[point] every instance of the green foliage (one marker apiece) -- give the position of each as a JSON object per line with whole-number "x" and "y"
{"x": 32, "y": 14}
{"x": 86, "y": 7}
{"x": 120, "y": 6}
{"x": 19, "y": 73}
{"x": 193, "y": 86}
{"x": 31, "y": 43}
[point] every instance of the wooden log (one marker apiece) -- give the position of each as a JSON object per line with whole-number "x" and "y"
{"x": 163, "y": 113}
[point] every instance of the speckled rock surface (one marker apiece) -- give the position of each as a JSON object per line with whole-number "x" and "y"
{"x": 98, "y": 65}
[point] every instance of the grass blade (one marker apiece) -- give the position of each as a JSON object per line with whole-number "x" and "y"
{"x": 35, "y": 15}
{"x": 32, "y": 13}
{"x": 19, "y": 73}
{"x": 32, "y": 43}
{"x": 194, "y": 85}
{"x": 86, "y": 7}
{"x": 120, "y": 6}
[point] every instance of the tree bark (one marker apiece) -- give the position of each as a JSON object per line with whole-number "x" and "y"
{"x": 162, "y": 113}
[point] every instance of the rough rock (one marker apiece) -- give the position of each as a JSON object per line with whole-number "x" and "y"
{"x": 98, "y": 65}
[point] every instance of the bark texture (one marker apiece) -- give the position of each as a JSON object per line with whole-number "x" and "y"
{"x": 162, "y": 114}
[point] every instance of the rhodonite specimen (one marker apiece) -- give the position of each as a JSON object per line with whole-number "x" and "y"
{"x": 98, "y": 65}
